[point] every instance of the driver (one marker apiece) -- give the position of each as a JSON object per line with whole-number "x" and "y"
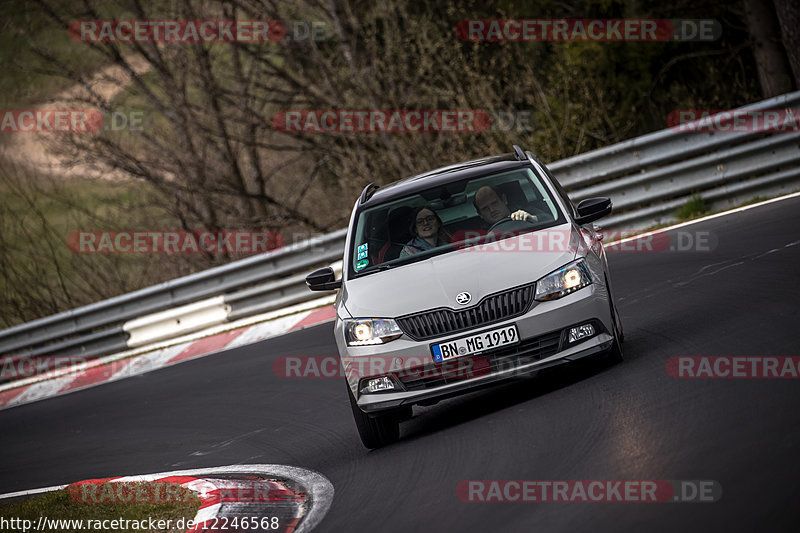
{"x": 493, "y": 209}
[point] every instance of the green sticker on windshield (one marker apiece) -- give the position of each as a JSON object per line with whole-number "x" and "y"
{"x": 361, "y": 264}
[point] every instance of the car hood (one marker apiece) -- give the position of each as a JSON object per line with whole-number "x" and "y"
{"x": 436, "y": 281}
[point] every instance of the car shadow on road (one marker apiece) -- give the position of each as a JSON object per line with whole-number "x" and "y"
{"x": 472, "y": 406}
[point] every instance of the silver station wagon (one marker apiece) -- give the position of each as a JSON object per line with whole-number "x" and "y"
{"x": 463, "y": 277}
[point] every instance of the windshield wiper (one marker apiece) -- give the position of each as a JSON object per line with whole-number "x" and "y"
{"x": 377, "y": 268}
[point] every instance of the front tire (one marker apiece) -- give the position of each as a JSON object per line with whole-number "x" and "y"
{"x": 614, "y": 354}
{"x": 376, "y": 431}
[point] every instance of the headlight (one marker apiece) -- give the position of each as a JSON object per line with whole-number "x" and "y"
{"x": 364, "y": 331}
{"x": 563, "y": 281}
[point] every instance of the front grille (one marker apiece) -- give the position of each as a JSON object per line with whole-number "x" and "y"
{"x": 493, "y": 308}
{"x": 437, "y": 374}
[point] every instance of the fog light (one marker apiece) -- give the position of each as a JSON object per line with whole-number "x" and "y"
{"x": 581, "y": 332}
{"x": 379, "y": 384}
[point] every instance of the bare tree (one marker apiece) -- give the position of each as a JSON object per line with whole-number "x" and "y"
{"x": 211, "y": 157}
{"x": 788, "y": 12}
{"x": 39, "y": 273}
{"x": 210, "y": 147}
{"x": 771, "y": 60}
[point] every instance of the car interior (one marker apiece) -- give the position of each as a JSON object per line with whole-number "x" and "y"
{"x": 389, "y": 229}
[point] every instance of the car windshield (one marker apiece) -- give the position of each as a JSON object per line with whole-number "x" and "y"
{"x": 442, "y": 219}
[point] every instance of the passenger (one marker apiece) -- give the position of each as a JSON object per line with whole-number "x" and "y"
{"x": 428, "y": 231}
{"x": 493, "y": 209}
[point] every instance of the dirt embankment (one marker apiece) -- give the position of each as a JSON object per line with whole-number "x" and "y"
{"x": 50, "y": 152}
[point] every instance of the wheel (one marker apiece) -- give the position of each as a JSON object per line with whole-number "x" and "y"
{"x": 375, "y": 431}
{"x": 614, "y": 354}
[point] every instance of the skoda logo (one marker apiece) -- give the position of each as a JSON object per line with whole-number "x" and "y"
{"x": 463, "y": 298}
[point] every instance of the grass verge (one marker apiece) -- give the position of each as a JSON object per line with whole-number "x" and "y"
{"x": 694, "y": 208}
{"x": 73, "y": 510}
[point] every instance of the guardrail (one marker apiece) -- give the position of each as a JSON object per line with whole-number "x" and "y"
{"x": 103, "y": 327}
{"x": 647, "y": 178}
{"x": 650, "y": 176}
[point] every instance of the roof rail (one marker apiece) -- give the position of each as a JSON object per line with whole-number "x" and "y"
{"x": 520, "y": 154}
{"x": 366, "y": 194}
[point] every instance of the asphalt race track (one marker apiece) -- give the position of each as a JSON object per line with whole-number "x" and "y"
{"x": 586, "y": 421}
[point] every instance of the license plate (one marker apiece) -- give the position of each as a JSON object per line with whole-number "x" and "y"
{"x": 473, "y": 344}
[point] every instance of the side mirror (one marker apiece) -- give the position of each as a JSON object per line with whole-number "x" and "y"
{"x": 323, "y": 279}
{"x": 592, "y": 209}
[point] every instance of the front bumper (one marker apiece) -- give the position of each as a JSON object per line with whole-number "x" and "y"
{"x": 542, "y": 344}
{"x": 383, "y": 401}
